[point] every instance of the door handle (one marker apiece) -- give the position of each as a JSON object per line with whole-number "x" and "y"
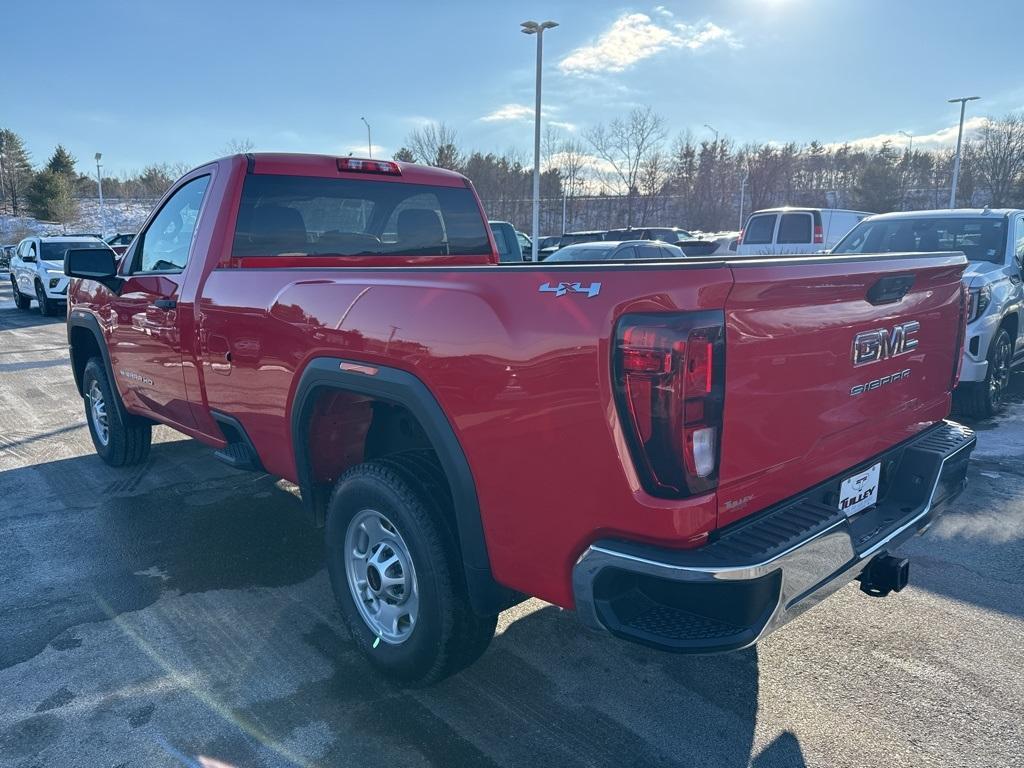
{"x": 165, "y": 303}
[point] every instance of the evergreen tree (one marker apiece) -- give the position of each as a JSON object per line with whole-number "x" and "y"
{"x": 17, "y": 172}
{"x": 61, "y": 161}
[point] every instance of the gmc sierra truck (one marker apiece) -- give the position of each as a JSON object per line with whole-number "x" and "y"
{"x": 703, "y": 448}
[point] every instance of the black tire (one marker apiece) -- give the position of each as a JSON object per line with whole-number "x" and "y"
{"x": 448, "y": 635}
{"x": 47, "y": 307}
{"x": 984, "y": 399}
{"x": 21, "y": 301}
{"x": 128, "y": 437}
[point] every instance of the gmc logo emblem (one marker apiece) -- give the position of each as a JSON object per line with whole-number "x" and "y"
{"x": 883, "y": 344}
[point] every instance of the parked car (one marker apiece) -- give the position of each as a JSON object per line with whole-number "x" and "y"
{"x": 525, "y": 244}
{"x": 626, "y": 250}
{"x": 589, "y": 236}
{"x": 6, "y": 252}
{"x": 993, "y": 241}
{"x": 548, "y": 241}
{"x": 119, "y": 243}
{"x": 37, "y": 270}
{"x": 691, "y": 245}
{"x": 698, "y": 455}
{"x": 505, "y": 237}
{"x": 780, "y": 231}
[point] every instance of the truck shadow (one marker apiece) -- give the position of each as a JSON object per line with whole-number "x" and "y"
{"x": 547, "y": 692}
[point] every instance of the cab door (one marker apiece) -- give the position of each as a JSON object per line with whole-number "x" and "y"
{"x": 145, "y": 341}
{"x": 1016, "y": 262}
{"x": 24, "y": 270}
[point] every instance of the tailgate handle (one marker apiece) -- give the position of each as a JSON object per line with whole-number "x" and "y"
{"x": 890, "y": 289}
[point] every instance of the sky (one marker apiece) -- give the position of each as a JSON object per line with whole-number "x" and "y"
{"x": 146, "y": 82}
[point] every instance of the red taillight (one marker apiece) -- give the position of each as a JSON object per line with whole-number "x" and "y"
{"x": 356, "y": 165}
{"x": 668, "y": 388}
{"x": 819, "y": 234}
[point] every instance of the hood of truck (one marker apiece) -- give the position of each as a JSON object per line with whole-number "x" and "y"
{"x": 799, "y": 409}
{"x": 981, "y": 272}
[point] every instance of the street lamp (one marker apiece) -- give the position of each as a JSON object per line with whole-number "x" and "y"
{"x": 3, "y": 194}
{"x": 959, "y": 139}
{"x": 743, "y": 190}
{"x": 533, "y": 28}
{"x": 910, "y": 149}
{"x": 710, "y": 128}
{"x": 369, "y": 142}
{"x": 99, "y": 183}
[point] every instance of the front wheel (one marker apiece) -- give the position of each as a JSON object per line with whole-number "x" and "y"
{"x": 21, "y": 301}
{"x": 396, "y": 573}
{"x": 984, "y": 399}
{"x": 47, "y": 306}
{"x": 120, "y": 438}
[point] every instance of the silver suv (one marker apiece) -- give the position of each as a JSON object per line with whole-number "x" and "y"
{"x": 993, "y": 241}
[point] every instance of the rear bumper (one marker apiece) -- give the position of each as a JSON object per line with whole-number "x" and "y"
{"x": 762, "y": 571}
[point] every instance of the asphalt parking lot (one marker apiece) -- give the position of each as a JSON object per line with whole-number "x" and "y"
{"x": 179, "y": 614}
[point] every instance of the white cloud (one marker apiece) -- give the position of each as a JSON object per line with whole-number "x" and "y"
{"x": 943, "y": 137}
{"x": 634, "y": 37}
{"x": 509, "y": 112}
{"x": 359, "y": 150}
{"x": 661, "y": 10}
{"x": 563, "y": 124}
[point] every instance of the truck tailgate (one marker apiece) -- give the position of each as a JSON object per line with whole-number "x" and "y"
{"x": 798, "y": 410}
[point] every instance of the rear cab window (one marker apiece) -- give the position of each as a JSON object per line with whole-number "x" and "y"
{"x": 760, "y": 229}
{"x": 794, "y": 229}
{"x": 282, "y": 215}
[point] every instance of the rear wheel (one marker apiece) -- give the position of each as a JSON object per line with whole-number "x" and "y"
{"x": 21, "y": 301}
{"x": 120, "y": 438}
{"x": 396, "y": 573}
{"x": 984, "y": 399}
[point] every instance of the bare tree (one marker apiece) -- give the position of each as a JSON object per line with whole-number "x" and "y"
{"x": 435, "y": 144}
{"x": 998, "y": 157}
{"x": 238, "y": 146}
{"x": 624, "y": 145}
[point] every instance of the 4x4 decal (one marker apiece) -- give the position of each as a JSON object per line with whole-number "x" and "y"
{"x": 563, "y": 288}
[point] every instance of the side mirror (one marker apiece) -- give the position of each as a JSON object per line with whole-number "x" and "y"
{"x": 98, "y": 264}
{"x": 29, "y": 258}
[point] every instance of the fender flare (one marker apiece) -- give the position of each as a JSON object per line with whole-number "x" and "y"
{"x": 80, "y": 319}
{"x": 405, "y": 389}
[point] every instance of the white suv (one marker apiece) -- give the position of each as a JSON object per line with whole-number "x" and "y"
{"x": 37, "y": 270}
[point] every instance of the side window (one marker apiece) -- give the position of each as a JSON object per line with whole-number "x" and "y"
{"x": 650, "y": 252}
{"x": 626, "y": 252}
{"x": 31, "y": 250}
{"x": 164, "y": 245}
{"x": 760, "y": 230}
{"x": 1018, "y": 241}
{"x": 794, "y": 228}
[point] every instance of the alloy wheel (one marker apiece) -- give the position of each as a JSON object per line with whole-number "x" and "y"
{"x": 98, "y": 413}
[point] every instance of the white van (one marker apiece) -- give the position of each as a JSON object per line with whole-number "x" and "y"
{"x": 778, "y": 231}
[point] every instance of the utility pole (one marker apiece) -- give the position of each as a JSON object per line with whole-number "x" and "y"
{"x": 533, "y": 28}
{"x": 959, "y": 140}
{"x": 910, "y": 148}
{"x": 99, "y": 184}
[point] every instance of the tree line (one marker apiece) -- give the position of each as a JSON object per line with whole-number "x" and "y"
{"x": 631, "y": 172}
{"x": 52, "y": 192}
{"x": 627, "y": 172}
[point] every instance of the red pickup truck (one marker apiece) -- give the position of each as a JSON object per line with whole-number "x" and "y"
{"x": 687, "y": 453}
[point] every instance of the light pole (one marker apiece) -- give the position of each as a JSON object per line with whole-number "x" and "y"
{"x": 959, "y": 139}
{"x": 99, "y": 184}
{"x": 743, "y": 192}
{"x": 3, "y": 193}
{"x": 369, "y": 141}
{"x": 910, "y": 149}
{"x": 711, "y": 128}
{"x": 533, "y": 28}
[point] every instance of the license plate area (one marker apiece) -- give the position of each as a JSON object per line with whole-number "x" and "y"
{"x": 859, "y": 491}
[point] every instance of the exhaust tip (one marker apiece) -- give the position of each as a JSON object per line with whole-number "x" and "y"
{"x": 885, "y": 574}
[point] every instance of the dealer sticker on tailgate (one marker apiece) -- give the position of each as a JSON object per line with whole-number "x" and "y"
{"x": 859, "y": 491}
